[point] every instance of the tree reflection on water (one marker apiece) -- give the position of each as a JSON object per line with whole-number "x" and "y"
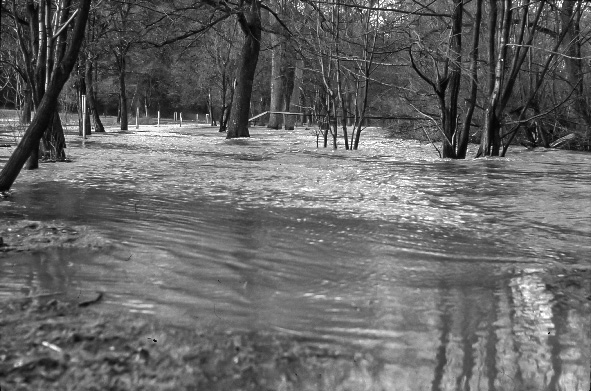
{"x": 522, "y": 337}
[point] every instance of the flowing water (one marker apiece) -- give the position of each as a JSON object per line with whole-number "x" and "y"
{"x": 452, "y": 273}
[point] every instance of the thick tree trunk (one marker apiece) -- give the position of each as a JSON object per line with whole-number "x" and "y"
{"x": 277, "y": 76}
{"x": 48, "y": 105}
{"x": 289, "y": 80}
{"x": 570, "y": 19}
{"x": 462, "y": 145}
{"x": 32, "y": 162}
{"x": 250, "y": 22}
{"x": 54, "y": 142}
{"x": 294, "y": 103}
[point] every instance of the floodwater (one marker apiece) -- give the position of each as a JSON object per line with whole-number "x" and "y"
{"x": 453, "y": 274}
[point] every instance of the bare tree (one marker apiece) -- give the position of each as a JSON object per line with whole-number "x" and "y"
{"x": 47, "y": 106}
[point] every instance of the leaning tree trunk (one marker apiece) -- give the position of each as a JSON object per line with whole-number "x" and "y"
{"x": 54, "y": 142}
{"x": 250, "y": 23}
{"x": 48, "y": 105}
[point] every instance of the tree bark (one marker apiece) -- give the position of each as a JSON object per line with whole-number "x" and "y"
{"x": 450, "y": 114}
{"x": 294, "y": 105}
{"x": 210, "y": 109}
{"x": 27, "y": 106}
{"x": 250, "y": 23}
{"x": 48, "y": 104}
{"x": 570, "y": 19}
{"x": 90, "y": 97}
{"x": 83, "y": 116}
{"x": 462, "y": 144}
{"x": 122, "y": 93}
{"x": 289, "y": 87}
{"x": 491, "y": 140}
{"x": 54, "y": 142}
{"x": 277, "y": 76}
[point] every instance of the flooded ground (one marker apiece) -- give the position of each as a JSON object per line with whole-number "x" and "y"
{"x": 454, "y": 274}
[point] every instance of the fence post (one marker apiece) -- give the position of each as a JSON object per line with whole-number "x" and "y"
{"x": 181, "y": 118}
{"x": 83, "y": 116}
{"x": 158, "y": 118}
{"x": 137, "y": 116}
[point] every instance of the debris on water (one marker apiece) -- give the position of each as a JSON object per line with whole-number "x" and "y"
{"x": 26, "y": 235}
{"x": 92, "y": 301}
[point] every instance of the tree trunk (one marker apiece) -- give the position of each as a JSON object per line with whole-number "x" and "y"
{"x": 90, "y": 102}
{"x": 505, "y": 77}
{"x": 250, "y": 23}
{"x": 54, "y": 142}
{"x": 570, "y": 19}
{"x": 210, "y": 109}
{"x": 27, "y": 106}
{"x": 48, "y": 105}
{"x": 490, "y": 142}
{"x": 462, "y": 144}
{"x": 32, "y": 162}
{"x": 289, "y": 75}
{"x": 450, "y": 114}
{"x": 225, "y": 109}
{"x": 83, "y": 115}
{"x": 277, "y": 76}
{"x": 294, "y": 105}
{"x": 122, "y": 93}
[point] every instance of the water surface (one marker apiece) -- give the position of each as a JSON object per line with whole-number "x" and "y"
{"x": 453, "y": 274}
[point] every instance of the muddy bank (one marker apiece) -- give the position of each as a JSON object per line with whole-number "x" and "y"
{"x": 28, "y": 235}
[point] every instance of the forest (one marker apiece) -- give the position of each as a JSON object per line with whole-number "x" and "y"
{"x": 451, "y": 72}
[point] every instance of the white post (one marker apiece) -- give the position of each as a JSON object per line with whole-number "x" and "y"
{"x": 137, "y": 116}
{"x": 174, "y": 116}
{"x": 158, "y": 118}
{"x": 207, "y": 119}
{"x": 181, "y": 118}
{"x": 83, "y": 116}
